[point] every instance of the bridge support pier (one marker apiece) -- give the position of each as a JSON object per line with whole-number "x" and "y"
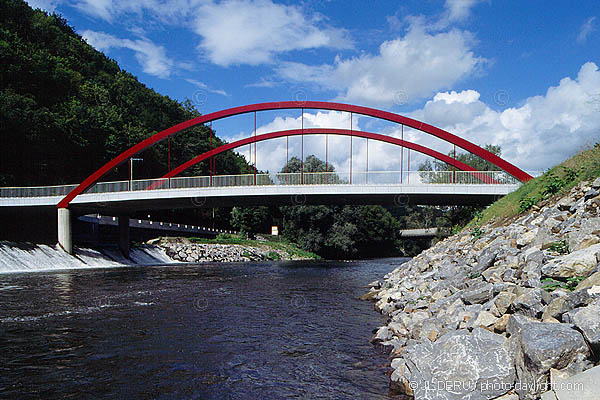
{"x": 124, "y": 239}
{"x": 65, "y": 230}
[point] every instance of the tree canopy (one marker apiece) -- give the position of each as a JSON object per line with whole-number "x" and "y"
{"x": 66, "y": 109}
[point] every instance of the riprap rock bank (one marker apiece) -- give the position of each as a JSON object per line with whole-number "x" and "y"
{"x": 505, "y": 312}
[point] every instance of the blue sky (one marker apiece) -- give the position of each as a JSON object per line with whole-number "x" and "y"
{"x": 521, "y": 74}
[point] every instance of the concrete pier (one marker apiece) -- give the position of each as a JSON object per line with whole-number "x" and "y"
{"x": 65, "y": 230}
{"x": 124, "y": 240}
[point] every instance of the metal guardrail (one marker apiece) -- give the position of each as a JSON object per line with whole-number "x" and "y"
{"x": 412, "y": 178}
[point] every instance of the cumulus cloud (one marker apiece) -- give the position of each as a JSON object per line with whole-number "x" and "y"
{"x": 406, "y": 69}
{"x": 232, "y": 31}
{"x": 586, "y": 29}
{"x": 542, "y": 132}
{"x": 253, "y": 32}
{"x": 151, "y": 57}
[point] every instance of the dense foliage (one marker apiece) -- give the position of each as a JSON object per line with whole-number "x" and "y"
{"x": 66, "y": 109}
{"x": 338, "y": 231}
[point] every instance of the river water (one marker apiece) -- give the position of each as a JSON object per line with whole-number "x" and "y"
{"x": 269, "y": 330}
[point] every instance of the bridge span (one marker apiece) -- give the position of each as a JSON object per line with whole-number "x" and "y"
{"x": 462, "y": 184}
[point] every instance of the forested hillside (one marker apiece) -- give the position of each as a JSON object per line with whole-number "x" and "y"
{"x": 66, "y": 109}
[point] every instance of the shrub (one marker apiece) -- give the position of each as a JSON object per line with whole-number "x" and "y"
{"x": 526, "y": 203}
{"x": 560, "y": 247}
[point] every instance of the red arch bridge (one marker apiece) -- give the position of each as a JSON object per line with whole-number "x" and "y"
{"x": 461, "y": 185}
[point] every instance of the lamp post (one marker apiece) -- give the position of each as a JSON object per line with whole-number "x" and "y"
{"x": 131, "y": 160}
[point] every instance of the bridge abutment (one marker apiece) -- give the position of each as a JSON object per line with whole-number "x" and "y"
{"x": 124, "y": 237}
{"x": 65, "y": 230}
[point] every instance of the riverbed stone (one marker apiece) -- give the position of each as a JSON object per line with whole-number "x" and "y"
{"x": 583, "y": 386}
{"x": 477, "y": 294}
{"x": 587, "y": 320}
{"x": 529, "y": 303}
{"x": 502, "y": 302}
{"x": 459, "y": 365}
{"x": 576, "y": 264}
{"x": 539, "y": 347}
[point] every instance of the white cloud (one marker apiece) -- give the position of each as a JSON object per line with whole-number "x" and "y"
{"x": 253, "y": 32}
{"x": 204, "y": 86}
{"x": 406, "y": 69}
{"x": 232, "y": 31}
{"x": 586, "y": 29}
{"x": 271, "y": 154}
{"x": 109, "y": 9}
{"x": 46, "y": 5}
{"x": 459, "y": 10}
{"x": 542, "y": 132}
{"x": 152, "y": 58}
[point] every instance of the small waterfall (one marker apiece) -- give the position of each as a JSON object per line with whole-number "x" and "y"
{"x": 26, "y": 257}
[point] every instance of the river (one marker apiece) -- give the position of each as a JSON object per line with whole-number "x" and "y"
{"x": 269, "y": 330}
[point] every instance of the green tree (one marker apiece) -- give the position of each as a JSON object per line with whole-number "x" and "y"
{"x": 251, "y": 220}
{"x": 338, "y": 231}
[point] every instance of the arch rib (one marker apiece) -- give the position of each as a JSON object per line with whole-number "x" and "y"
{"x": 321, "y": 105}
{"x": 319, "y": 131}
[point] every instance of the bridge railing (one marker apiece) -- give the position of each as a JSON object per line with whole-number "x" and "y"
{"x": 412, "y": 178}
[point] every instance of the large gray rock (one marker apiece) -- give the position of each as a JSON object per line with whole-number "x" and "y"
{"x": 539, "y": 347}
{"x": 530, "y": 303}
{"x": 583, "y": 386}
{"x": 478, "y": 293}
{"x": 587, "y": 320}
{"x": 587, "y": 235}
{"x": 579, "y": 263}
{"x": 457, "y": 366}
{"x": 564, "y": 304}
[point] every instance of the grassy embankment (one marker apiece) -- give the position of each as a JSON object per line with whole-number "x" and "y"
{"x": 289, "y": 248}
{"x": 555, "y": 182}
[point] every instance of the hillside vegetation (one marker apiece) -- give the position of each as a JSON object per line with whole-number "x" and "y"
{"x": 66, "y": 109}
{"x": 555, "y": 182}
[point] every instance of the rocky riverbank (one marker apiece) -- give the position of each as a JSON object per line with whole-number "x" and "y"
{"x": 501, "y": 312}
{"x": 184, "y": 250}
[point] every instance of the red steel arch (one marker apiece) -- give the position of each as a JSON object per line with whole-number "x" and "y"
{"x": 321, "y": 105}
{"x": 319, "y": 131}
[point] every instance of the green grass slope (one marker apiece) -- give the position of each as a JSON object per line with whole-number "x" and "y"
{"x": 553, "y": 183}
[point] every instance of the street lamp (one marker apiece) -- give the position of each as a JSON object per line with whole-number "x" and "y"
{"x": 131, "y": 160}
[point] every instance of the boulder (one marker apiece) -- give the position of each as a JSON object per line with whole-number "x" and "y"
{"x": 540, "y": 346}
{"x": 568, "y": 302}
{"x": 583, "y": 386}
{"x": 592, "y": 280}
{"x": 502, "y": 302}
{"x": 384, "y": 333}
{"x": 457, "y": 366}
{"x": 485, "y": 319}
{"x": 529, "y": 303}
{"x": 576, "y": 264}
{"x": 587, "y": 320}
{"x": 478, "y": 293}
